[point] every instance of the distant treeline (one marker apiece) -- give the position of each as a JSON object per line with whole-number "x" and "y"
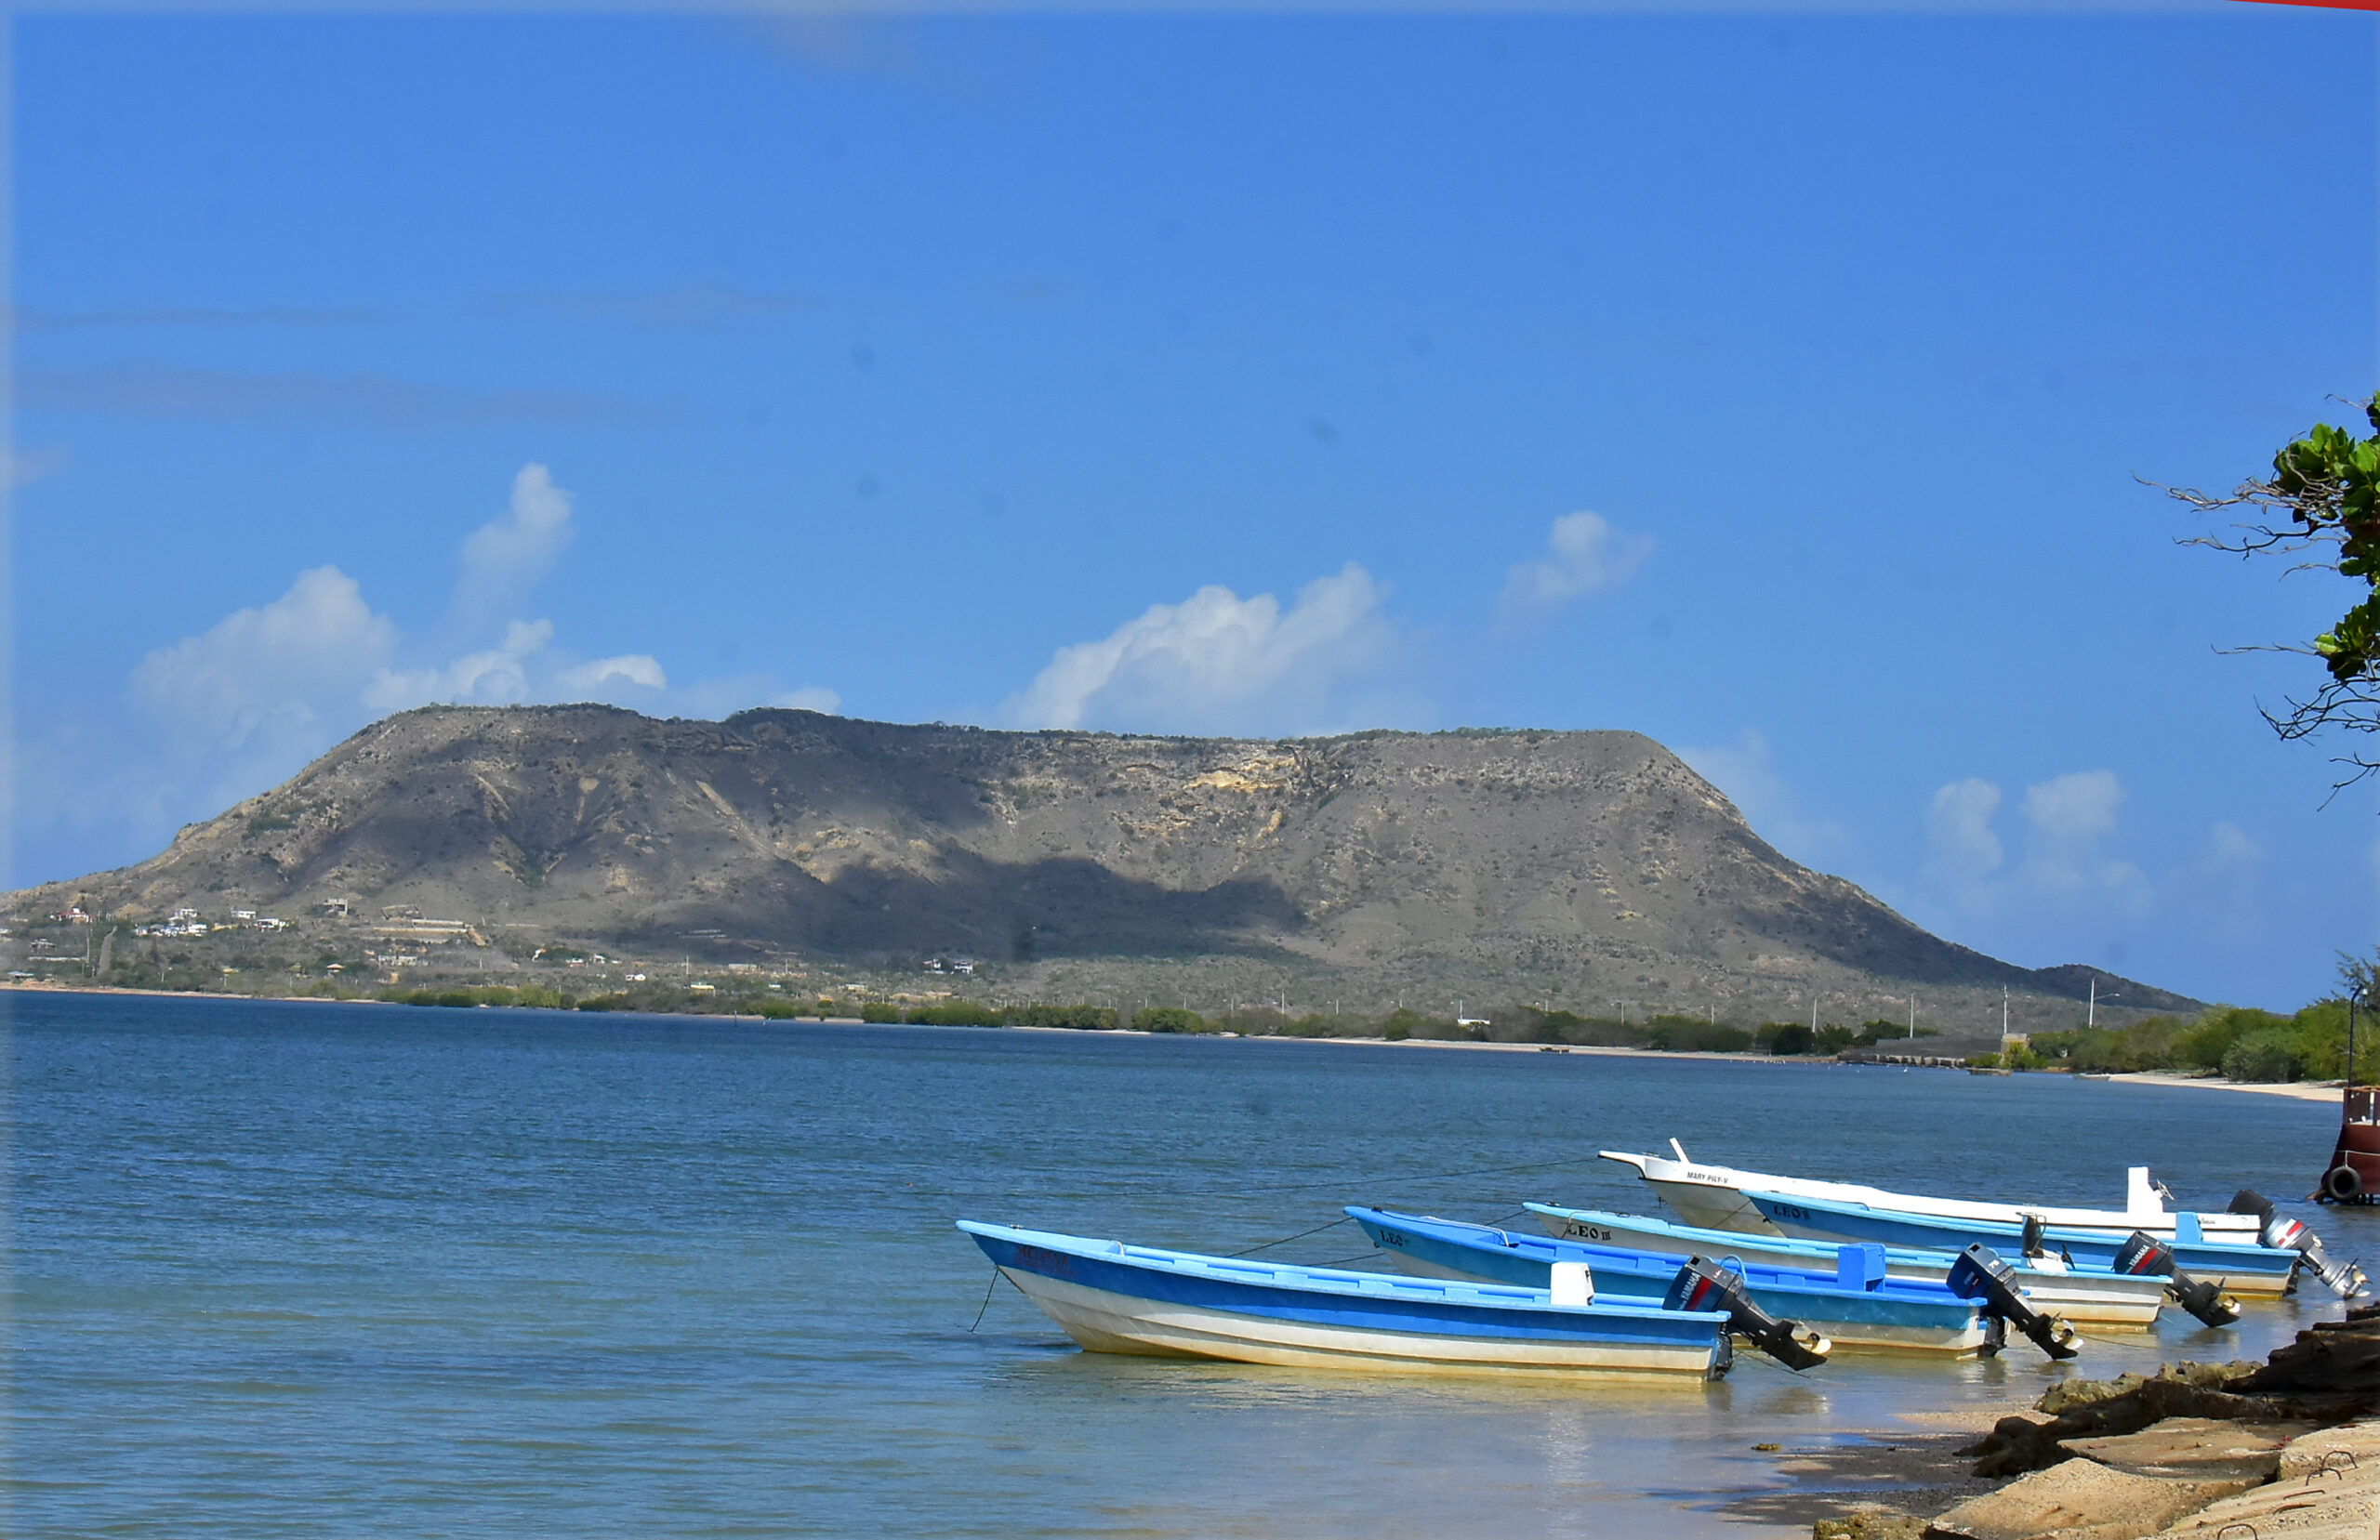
{"x": 2243, "y": 1044}
{"x": 1553, "y": 1028}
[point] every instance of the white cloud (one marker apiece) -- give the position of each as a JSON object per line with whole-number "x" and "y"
{"x": 811, "y": 699}
{"x": 224, "y": 714}
{"x": 496, "y": 677}
{"x": 2221, "y": 887}
{"x": 25, "y": 466}
{"x": 2231, "y": 848}
{"x": 1583, "y": 552}
{"x": 2068, "y": 816}
{"x": 636, "y": 668}
{"x": 2075, "y": 810}
{"x": 275, "y": 672}
{"x": 1960, "y": 840}
{"x": 1746, "y": 771}
{"x": 505, "y": 559}
{"x": 2064, "y": 868}
{"x": 1218, "y": 663}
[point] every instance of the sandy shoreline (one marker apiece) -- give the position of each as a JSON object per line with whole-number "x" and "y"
{"x": 2299, "y": 1091}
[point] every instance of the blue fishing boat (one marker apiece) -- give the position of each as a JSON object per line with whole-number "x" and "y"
{"x": 1116, "y": 1298}
{"x": 2098, "y": 1297}
{"x": 2264, "y": 1272}
{"x": 1857, "y": 1306}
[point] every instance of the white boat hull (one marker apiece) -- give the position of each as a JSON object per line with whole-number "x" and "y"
{"x": 1711, "y": 1196}
{"x": 1105, "y": 1322}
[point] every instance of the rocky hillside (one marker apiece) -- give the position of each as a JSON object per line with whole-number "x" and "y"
{"x": 1584, "y": 869}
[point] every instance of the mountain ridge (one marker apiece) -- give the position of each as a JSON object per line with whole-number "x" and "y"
{"x": 1583, "y": 868}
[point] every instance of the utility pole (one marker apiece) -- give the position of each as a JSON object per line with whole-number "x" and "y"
{"x": 1912, "y": 1016}
{"x": 2354, "y": 998}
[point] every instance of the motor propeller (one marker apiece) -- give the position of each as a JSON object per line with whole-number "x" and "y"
{"x": 2283, "y": 1233}
{"x": 1706, "y": 1285}
{"x": 2144, "y": 1256}
{"x": 1980, "y": 1274}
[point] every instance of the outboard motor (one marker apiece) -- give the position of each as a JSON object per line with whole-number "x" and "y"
{"x": 2144, "y": 1256}
{"x": 1704, "y": 1285}
{"x": 2283, "y": 1233}
{"x": 2036, "y": 1248}
{"x": 1980, "y": 1274}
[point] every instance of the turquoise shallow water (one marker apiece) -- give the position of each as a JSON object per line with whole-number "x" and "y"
{"x": 288, "y": 1270}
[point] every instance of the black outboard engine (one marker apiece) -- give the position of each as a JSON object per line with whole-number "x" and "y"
{"x": 2144, "y": 1256}
{"x": 2281, "y": 1233}
{"x": 2035, "y": 1242}
{"x": 1703, "y": 1285}
{"x": 1980, "y": 1274}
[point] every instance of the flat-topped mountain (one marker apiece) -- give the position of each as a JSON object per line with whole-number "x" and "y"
{"x": 1585, "y": 870}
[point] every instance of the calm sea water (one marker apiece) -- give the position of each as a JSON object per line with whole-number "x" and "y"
{"x": 304, "y": 1270}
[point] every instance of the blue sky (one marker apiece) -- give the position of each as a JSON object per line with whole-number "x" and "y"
{"x": 1772, "y": 384}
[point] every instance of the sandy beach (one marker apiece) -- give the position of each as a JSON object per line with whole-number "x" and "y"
{"x": 2301, "y": 1090}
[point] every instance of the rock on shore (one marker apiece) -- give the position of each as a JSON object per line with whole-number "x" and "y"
{"x": 2290, "y": 1446}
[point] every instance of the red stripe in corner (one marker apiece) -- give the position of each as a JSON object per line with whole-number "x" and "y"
{"x": 2326, "y": 5}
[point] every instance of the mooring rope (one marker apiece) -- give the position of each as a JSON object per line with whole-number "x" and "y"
{"x": 1287, "y": 1239}
{"x": 987, "y": 1298}
{"x": 1425, "y": 1177}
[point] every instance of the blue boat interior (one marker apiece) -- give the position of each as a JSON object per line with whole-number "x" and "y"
{"x": 1859, "y": 1268}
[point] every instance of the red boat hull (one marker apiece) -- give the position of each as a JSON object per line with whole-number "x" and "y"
{"x": 2353, "y": 1174}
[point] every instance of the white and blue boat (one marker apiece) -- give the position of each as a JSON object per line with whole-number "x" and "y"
{"x": 2087, "y": 1296}
{"x": 1858, "y": 1306}
{"x": 1718, "y": 1197}
{"x": 2255, "y": 1270}
{"x": 1116, "y": 1298}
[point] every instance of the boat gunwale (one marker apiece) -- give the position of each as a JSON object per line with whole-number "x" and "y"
{"x": 1340, "y": 1287}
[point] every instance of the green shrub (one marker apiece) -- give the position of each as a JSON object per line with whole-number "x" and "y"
{"x": 1787, "y": 1038}
{"x": 1170, "y": 1019}
{"x": 874, "y": 1010}
{"x": 2271, "y": 1054}
{"x": 1396, "y": 1030}
{"x": 955, "y": 1013}
{"x": 1693, "y": 1034}
{"x": 2207, "y": 1043}
{"x": 1879, "y": 1032}
{"x": 603, "y": 1002}
{"x": 781, "y": 1010}
{"x": 1078, "y": 1017}
{"x": 2143, "y": 1046}
{"x": 1598, "y": 1032}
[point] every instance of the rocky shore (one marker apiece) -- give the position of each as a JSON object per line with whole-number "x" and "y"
{"x": 2235, "y": 1451}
